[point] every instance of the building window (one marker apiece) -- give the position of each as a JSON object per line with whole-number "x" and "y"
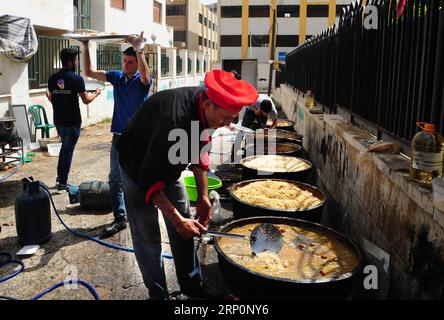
{"x": 317, "y": 11}
{"x": 288, "y": 11}
{"x": 200, "y": 18}
{"x": 157, "y": 12}
{"x": 205, "y": 42}
{"x": 82, "y": 14}
{"x": 231, "y": 12}
{"x": 259, "y": 11}
{"x": 287, "y": 40}
{"x": 189, "y": 65}
{"x": 205, "y": 21}
{"x": 180, "y": 36}
{"x": 118, "y": 4}
{"x": 259, "y": 40}
{"x": 230, "y": 41}
{"x": 176, "y": 10}
{"x": 200, "y": 41}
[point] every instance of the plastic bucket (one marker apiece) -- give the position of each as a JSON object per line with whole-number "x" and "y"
{"x": 54, "y": 149}
{"x": 438, "y": 193}
{"x": 190, "y": 184}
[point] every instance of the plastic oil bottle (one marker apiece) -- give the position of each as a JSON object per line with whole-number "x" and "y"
{"x": 309, "y": 100}
{"x": 427, "y": 154}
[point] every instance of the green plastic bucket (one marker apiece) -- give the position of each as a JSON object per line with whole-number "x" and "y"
{"x": 190, "y": 184}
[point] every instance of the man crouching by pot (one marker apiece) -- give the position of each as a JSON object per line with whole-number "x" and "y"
{"x": 151, "y": 173}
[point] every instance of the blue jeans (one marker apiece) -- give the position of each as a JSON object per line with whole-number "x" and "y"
{"x": 69, "y": 137}
{"x": 144, "y": 224}
{"x": 115, "y": 183}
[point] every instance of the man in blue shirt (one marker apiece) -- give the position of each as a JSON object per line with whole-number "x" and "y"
{"x": 64, "y": 89}
{"x": 131, "y": 88}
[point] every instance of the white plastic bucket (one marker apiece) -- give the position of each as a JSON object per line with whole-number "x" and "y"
{"x": 438, "y": 193}
{"x": 54, "y": 149}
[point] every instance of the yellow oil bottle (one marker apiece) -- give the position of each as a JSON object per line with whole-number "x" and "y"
{"x": 309, "y": 100}
{"x": 427, "y": 154}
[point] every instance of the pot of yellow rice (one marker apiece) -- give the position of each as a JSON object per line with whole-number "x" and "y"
{"x": 277, "y": 197}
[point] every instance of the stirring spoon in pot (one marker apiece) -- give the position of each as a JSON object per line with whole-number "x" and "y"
{"x": 265, "y": 237}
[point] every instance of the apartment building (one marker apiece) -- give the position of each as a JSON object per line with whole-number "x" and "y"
{"x": 246, "y": 28}
{"x": 195, "y": 26}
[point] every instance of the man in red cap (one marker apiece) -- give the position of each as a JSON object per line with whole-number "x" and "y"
{"x": 169, "y": 132}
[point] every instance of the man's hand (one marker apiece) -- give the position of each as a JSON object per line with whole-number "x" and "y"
{"x": 136, "y": 41}
{"x": 189, "y": 228}
{"x": 98, "y": 92}
{"x": 204, "y": 210}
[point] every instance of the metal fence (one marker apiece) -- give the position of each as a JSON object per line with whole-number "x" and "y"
{"x": 386, "y": 78}
{"x": 109, "y": 57}
{"x": 46, "y": 61}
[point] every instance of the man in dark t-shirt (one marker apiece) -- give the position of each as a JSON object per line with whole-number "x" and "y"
{"x": 64, "y": 88}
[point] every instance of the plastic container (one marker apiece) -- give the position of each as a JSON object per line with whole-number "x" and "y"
{"x": 34, "y": 146}
{"x": 54, "y": 149}
{"x": 427, "y": 154}
{"x": 44, "y": 142}
{"x": 190, "y": 184}
{"x": 438, "y": 193}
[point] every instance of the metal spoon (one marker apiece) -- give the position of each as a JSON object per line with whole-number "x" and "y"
{"x": 265, "y": 237}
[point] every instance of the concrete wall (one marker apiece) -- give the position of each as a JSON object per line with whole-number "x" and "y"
{"x": 137, "y": 17}
{"x": 378, "y": 202}
{"x": 57, "y": 14}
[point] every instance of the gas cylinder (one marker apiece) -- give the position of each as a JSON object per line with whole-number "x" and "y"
{"x": 94, "y": 195}
{"x": 33, "y": 214}
{"x": 427, "y": 154}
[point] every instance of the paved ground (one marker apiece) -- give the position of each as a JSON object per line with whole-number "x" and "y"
{"x": 113, "y": 273}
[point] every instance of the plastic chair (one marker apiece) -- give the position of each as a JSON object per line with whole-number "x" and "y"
{"x": 38, "y": 114}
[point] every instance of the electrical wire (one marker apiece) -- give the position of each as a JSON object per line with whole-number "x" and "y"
{"x": 85, "y": 236}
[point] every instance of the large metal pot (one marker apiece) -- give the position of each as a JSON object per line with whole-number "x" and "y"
{"x": 247, "y": 284}
{"x": 284, "y": 149}
{"x": 249, "y": 173}
{"x": 283, "y": 124}
{"x": 7, "y": 129}
{"x": 243, "y": 209}
{"x": 273, "y": 135}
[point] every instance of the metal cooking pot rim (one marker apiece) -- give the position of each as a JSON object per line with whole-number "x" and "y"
{"x": 242, "y": 162}
{"x": 295, "y": 145}
{"x": 348, "y": 241}
{"x": 277, "y": 209}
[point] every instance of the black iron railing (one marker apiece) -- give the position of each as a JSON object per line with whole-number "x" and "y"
{"x": 388, "y": 77}
{"x": 109, "y": 57}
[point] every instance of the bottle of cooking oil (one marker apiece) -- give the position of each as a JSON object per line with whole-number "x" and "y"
{"x": 309, "y": 100}
{"x": 427, "y": 154}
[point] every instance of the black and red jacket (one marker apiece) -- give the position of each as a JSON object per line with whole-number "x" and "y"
{"x": 144, "y": 146}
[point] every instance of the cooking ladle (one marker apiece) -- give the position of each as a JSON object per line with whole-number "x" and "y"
{"x": 265, "y": 237}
